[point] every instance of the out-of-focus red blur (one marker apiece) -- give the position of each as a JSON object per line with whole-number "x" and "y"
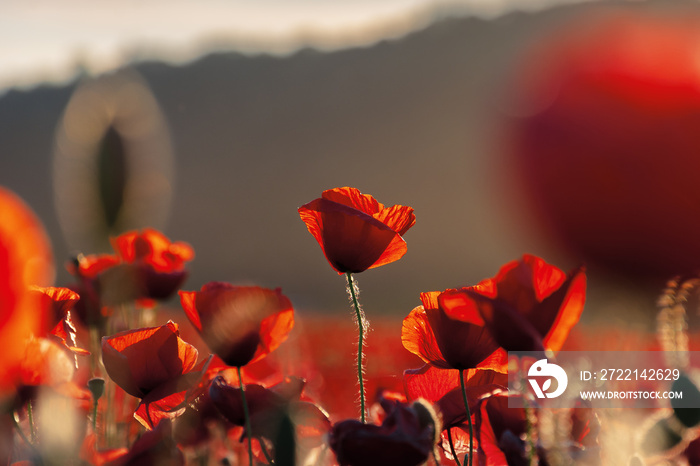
{"x": 605, "y": 135}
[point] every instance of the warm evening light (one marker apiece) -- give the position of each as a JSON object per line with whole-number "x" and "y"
{"x": 325, "y": 233}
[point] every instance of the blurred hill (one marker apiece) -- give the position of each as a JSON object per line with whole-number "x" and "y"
{"x": 410, "y": 121}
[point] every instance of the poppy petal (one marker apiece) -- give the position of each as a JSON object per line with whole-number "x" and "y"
{"x": 187, "y": 300}
{"x": 158, "y": 262}
{"x": 534, "y": 306}
{"x": 351, "y": 240}
{"x": 167, "y": 401}
{"x": 93, "y": 265}
{"x": 45, "y": 363}
{"x": 397, "y": 217}
{"x": 355, "y": 231}
{"x": 274, "y": 330}
{"x": 430, "y": 299}
{"x": 443, "y": 387}
{"x": 239, "y": 323}
{"x": 569, "y": 300}
{"x": 447, "y": 336}
{"x": 510, "y": 329}
{"x": 430, "y": 382}
{"x": 141, "y": 360}
{"x": 25, "y": 259}
{"x": 352, "y": 197}
{"x": 463, "y": 344}
{"x": 54, "y": 305}
{"x": 460, "y": 306}
{"x": 417, "y": 337}
{"x": 394, "y": 251}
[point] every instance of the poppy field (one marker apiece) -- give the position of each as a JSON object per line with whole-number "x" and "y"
{"x": 87, "y": 378}
{"x": 125, "y": 363}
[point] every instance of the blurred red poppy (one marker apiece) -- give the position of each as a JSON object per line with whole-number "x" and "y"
{"x": 93, "y": 265}
{"x": 92, "y": 309}
{"x": 25, "y": 259}
{"x": 57, "y": 303}
{"x": 45, "y": 363}
{"x": 609, "y": 151}
{"x": 268, "y": 406}
{"x": 91, "y": 455}
{"x": 528, "y": 306}
{"x": 355, "y": 231}
{"x": 405, "y": 437}
{"x": 160, "y": 262}
{"x": 194, "y": 426}
{"x": 153, "y": 364}
{"x": 146, "y": 266}
{"x": 450, "y": 337}
{"x": 240, "y": 324}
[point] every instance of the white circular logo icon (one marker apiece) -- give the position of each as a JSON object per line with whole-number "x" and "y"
{"x": 542, "y": 368}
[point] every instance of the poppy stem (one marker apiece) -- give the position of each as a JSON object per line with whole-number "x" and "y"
{"x": 361, "y": 324}
{"x": 265, "y": 452}
{"x": 94, "y": 417}
{"x": 469, "y": 417}
{"x": 452, "y": 446}
{"x": 248, "y": 429}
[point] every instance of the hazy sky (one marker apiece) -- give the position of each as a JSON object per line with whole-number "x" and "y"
{"x": 46, "y": 40}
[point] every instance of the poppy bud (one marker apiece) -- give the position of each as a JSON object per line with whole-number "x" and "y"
{"x": 96, "y": 387}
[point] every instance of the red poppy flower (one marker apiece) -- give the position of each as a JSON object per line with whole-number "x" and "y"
{"x": 448, "y": 338}
{"x": 442, "y": 387}
{"x": 52, "y": 305}
{"x": 93, "y": 265}
{"x": 268, "y": 406}
{"x": 45, "y": 363}
{"x": 240, "y": 324}
{"x": 355, "y": 231}
{"x": 160, "y": 262}
{"x": 193, "y": 426}
{"x": 405, "y": 437}
{"x": 499, "y": 432}
{"x": 57, "y": 304}
{"x": 153, "y": 364}
{"x": 528, "y": 306}
{"x": 25, "y": 259}
{"x": 91, "y": 310}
